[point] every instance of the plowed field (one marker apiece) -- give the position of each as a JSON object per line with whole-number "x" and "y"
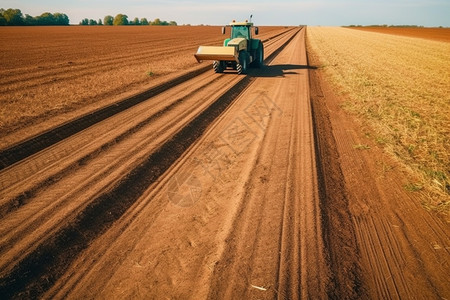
{"x": 197, "y": 185}
{"x": 49, "y": 72}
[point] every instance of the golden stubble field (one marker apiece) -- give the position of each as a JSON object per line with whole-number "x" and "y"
{"x": 46, "y": 71}
{"x": 399, "y": 87}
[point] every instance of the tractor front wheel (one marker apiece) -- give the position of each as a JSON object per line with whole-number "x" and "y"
{"x": 218, "y": 66}
{"x": 242, "y": 66}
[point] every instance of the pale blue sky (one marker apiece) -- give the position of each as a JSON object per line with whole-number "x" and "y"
{"x": 265, "y": 12}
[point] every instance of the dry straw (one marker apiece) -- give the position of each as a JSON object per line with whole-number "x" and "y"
{"x": 400, "y": 87}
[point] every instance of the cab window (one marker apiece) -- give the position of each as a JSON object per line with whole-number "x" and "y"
{"x": 240, "y": 32}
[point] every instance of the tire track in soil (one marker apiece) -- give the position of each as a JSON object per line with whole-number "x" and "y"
{"x": 38, "y": 271}
{"x": 275, "y": 248}
{"x": 338, "y": 230}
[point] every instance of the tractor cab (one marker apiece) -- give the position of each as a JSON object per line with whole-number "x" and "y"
{"x": 240, "y": 30}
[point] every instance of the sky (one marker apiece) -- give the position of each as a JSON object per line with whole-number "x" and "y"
{"x": 427, "y": 13}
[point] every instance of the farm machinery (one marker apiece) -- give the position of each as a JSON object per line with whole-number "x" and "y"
{"x": 239, "y": 52}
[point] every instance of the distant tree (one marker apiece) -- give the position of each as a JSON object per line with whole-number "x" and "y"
{"x": 108, "y": 20}
{"x": 144, "y": 21}
{"x": 2, "y": 19}
{"x": 121, "y": 19}
{"x": 156, "y": 22}
{"x": 46, "y": 19}
{"x": 61, "y": 19}
{"x": 84, "y": 21}
{"x": 13, "y": 17}
{"x": 29, "y": 20}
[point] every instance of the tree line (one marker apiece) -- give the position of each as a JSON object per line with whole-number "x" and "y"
{"x": 122, "y": 19}
{"x": 14, "y": 17}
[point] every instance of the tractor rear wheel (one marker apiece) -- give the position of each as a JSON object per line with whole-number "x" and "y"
{"x": 242, "y": 66}
{"x": 259, "y": 57}
{"x": 218, "y": 66}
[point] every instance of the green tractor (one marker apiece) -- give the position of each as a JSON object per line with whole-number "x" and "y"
{"x": 239, "y": 52}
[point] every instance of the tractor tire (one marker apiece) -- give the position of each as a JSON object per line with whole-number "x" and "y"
{"x": 242, "y": 66}
{"x": 259, "y": 57}
{"x": 218, "y": 66}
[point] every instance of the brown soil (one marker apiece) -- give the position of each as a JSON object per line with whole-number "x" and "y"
{"x": 437, "y": 34}
{"x": 225, "y": 186}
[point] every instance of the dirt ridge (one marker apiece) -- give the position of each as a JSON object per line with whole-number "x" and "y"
{"x": 339, "y": 232}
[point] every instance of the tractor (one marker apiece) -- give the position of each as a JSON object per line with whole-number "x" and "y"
{"x": 239, "y": 52}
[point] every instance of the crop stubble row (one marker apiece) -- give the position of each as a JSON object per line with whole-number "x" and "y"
{"x": 399, "y": 86}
